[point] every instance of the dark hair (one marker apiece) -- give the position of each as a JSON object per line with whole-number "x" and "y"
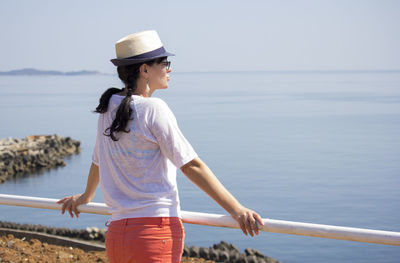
{"x": 129, "y": 76}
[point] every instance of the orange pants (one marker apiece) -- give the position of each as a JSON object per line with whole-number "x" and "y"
{"x": 146, "y": 239}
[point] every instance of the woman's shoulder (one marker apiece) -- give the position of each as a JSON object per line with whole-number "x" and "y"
{"x": 156, "y": 109}
{"x": 154, "y": 103}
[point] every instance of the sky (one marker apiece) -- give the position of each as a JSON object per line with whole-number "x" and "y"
{"x": 206, "y": 35}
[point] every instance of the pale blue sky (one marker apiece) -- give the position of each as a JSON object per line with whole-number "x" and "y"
{"x": 206, "y": 35}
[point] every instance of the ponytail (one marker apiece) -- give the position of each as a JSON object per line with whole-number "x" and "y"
{"x": 129, "y": 76}
{"x": 105, "y": 98}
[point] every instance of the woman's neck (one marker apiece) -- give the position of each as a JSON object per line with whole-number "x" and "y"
{"x": 142, "y": 90}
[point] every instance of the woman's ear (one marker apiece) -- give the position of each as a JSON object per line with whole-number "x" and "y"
{"x": 143, "y": 70}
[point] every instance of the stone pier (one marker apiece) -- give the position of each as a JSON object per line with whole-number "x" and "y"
{"x": 20, "y": 157}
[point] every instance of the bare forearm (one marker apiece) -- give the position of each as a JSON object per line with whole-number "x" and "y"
{"x": 92, "y": 182}
{"x": 199, "y": 173}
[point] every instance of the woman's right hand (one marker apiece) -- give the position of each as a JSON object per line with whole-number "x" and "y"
{"x": 71, "y": 204}
{"x": 248, "y": 220}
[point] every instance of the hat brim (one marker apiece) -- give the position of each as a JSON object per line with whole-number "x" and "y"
{"x": 131, "y": 61}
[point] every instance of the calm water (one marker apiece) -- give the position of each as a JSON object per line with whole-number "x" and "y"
{"x": 310, "y": 147}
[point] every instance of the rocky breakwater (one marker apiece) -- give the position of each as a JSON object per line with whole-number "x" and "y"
{"x": 225, "y": 252}
{"x": 23, "y": 156}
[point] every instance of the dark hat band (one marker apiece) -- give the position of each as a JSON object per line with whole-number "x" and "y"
{"x": 157, "y": 53}
{"x": 150, "y": 54}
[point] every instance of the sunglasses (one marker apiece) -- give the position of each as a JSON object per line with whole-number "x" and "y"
{"x": 167, "y": 64}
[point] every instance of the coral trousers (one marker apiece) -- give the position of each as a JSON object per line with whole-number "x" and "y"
{"x": 145, "y": 240}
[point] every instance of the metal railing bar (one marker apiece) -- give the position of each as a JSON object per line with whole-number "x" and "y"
{"x": 270, "y": 225}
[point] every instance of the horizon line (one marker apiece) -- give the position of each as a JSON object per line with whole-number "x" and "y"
{"x": 293, "y": 71}
{"x": 238, "y": 71}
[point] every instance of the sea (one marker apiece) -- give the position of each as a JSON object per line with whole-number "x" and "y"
{"x": 314, "y": 147}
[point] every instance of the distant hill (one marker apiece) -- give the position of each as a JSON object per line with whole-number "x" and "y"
{"x": 34, "y": 72}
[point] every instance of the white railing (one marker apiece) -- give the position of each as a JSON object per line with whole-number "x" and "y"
{"x": 270, "y": 225}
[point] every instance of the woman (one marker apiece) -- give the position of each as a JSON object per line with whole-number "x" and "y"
{"x": 138, "y": 148}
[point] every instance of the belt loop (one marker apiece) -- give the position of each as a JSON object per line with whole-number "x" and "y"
{"x": 108, "y": 222}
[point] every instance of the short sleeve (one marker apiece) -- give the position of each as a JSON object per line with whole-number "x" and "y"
{"x": 95, "y": 155}
{"x": 164, "y": 127}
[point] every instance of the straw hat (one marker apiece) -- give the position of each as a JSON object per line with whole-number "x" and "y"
{"x": 139, "y": 47}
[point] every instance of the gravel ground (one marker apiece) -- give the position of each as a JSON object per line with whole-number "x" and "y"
{"x": 13, "y": 250}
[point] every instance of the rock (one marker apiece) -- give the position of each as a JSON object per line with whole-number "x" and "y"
{"x": 194, "y": 252}
{"x": 3, "y": 178}
{"x": 242, "y": 259}
{"x": 270, "y": 260}
{"x": 252, "y": 259}
{"x": 214, "y": 255}
{"x": 186, "y": 251}
{"x": 204, "y": 252}
{"x": 249, "y": 251}
{"x": 63, "y": 255}
{"x": 19, "y": 157}
{"x": 222, "y": 246}
{"x": 233, "y": 248}
{"x": 258, "y": 253}
{"x": 234, "y": 255}
{"x": 10, "y": 244}
{"x": 51, "y": 231}
{"x": 223, "y": 256}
